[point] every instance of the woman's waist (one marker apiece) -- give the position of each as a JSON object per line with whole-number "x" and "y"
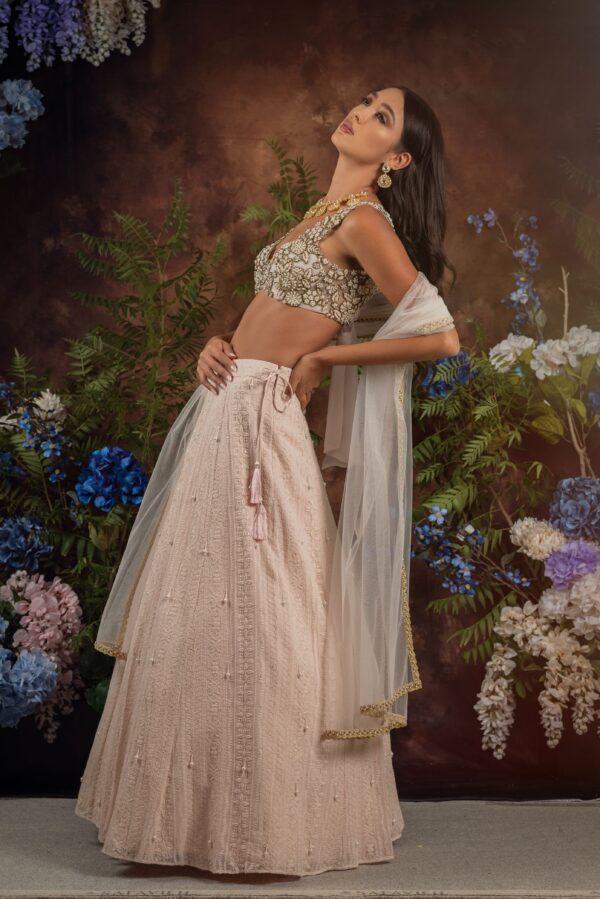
{"x": 281, "y": 334}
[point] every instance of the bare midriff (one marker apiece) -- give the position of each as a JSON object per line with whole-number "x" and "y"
{"x": 273, "y": 331}
{"x": 276, "y": 332}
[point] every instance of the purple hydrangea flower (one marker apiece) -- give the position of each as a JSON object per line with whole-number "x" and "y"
{"x": 571, "y": 561}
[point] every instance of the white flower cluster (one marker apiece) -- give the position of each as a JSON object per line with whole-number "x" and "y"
{"x": 48, "y": 407}
{"x": 535, "y": 538}
{"x": 579, "y": 604}
{"x": 548, "y": 357}
{"x": 551, "y": 630}
{"x": 581, "y": 341}
{"x": 111, "y": 24}
{"x": 506, "y": 353}
{"x": 496, "y": 702}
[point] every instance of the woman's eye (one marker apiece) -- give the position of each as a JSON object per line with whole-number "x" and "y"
{"x": 366, "y": 100}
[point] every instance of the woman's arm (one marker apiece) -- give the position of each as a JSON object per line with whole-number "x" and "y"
{"x": 368, "y": 237}
{"x": 386, "y": 350}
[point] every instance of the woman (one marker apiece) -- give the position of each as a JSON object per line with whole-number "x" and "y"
{"x": 262, "y": 654}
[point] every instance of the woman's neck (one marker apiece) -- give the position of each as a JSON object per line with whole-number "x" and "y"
{"x": 348, "y": 179}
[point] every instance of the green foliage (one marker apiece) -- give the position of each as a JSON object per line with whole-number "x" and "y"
{"x": 139, "y": 369}
{"x": 584, "y": 226}
{"x": 125, "y": 383}
{"x": 464, "y": 457}
{"x": 293, "y": 192}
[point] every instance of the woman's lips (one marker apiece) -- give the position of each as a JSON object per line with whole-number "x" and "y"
{"x": 346, "y": 127}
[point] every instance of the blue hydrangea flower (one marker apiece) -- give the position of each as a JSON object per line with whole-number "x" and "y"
{"x": 12, "y": 130}
{"x": 23, "y": 685}
{"x": 575, "y": 507}
{"x": 21, "y": 543}
{"x": 111, "y": 475}
{"x": 25, "y": 99}
{"x": 462, "y": 373}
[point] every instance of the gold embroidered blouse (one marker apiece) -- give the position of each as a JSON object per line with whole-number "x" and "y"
{"x": 297, "y": 274}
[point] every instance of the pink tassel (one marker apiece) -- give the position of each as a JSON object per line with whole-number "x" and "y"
{"x": 259, "y": 525}
{"x": 256, "y": 485}
{"x": 259, "y": 528}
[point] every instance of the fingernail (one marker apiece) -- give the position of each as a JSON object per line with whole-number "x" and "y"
{"x": 234, "y": 368}
{"x": 230, "y": 377}
{"x": 233, "y": 355}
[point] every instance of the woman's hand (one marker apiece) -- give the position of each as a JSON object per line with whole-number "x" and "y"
{"x": 215, "y": 367}
{"x": 306, "y": 376}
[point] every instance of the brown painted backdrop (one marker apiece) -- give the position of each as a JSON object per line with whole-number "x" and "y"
{"x": 515, "y": 86}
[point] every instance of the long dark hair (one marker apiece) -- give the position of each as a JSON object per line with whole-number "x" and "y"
{"x": 415, "y": 198}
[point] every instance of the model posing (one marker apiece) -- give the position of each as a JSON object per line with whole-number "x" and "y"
{"x": 261, "y": 659}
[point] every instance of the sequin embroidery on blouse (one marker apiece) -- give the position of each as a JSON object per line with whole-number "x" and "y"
{"x": 296, "y": 273}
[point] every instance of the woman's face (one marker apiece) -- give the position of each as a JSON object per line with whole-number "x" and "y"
{"x": 376, "y": 121}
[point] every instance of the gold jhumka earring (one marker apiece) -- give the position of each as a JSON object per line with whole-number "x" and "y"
{"x": 384, "y": 179}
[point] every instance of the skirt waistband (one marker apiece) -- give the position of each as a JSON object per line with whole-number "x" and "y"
{"x": 246, "y": 366}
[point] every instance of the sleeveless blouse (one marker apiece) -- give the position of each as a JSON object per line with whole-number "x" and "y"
{"x": 297, "y": 274}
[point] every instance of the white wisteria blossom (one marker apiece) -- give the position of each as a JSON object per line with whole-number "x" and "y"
{"x": 506, "y": 353}
{"x": 549, "y": 357}
{"x": 48, "y": 407}
{"x": 548, "y": 630}
{"x": 496, "y": 700}
{"x": 536, "y": 538}
{"x": 111, "y": 24}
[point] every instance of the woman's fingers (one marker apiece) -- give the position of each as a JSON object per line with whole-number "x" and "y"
{"x": 216, "y": 368}
{"x": 304, "y": 395}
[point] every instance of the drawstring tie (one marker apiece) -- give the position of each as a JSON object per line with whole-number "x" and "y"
{"x": 259, "y": 525}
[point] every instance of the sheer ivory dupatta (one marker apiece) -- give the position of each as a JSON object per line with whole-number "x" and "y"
{"x": 368, "y": 644}
{"x": 110, "y": 636}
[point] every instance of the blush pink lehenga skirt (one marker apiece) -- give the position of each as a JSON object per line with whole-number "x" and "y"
{"x": 208, "y": 751}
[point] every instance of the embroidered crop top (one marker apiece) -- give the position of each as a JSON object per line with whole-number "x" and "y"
{"x": 297, "y": 273}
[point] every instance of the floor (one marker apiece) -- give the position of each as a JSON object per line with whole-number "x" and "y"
{"x": 465, "y": 848}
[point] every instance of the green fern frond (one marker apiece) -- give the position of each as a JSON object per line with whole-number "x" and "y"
{"x": 583, "y": 180}
{"x": 475, "y": 447}
{"x": 21, "y": 369}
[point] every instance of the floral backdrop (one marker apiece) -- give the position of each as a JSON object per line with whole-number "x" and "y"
{"x": 506, "y": 522}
